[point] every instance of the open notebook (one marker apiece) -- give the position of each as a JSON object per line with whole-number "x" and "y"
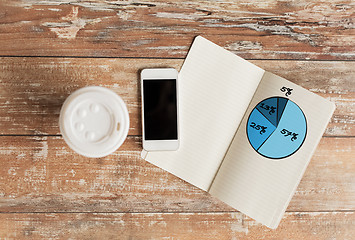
{"x": 247, "y": 135}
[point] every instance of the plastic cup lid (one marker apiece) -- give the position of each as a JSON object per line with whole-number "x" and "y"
{"x": 94, "y": 121}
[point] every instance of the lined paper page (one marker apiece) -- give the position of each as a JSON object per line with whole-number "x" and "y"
{"x": 262, "y": 187}
{"x": 215, "y": 89}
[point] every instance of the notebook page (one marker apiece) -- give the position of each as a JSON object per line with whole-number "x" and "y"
{"x": 215, "y": 88}
{"x": 262, "y": 186}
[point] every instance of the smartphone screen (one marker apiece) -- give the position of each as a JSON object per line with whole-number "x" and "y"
{"x": 160, "y": 109}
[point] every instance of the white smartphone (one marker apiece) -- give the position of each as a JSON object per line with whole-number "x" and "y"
{"x": 160, "y": 109}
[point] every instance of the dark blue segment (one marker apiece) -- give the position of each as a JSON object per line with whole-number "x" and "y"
{"x": 281, "y": 104}
{"x": 268, "y": 108}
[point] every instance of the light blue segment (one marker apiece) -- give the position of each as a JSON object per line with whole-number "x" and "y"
{"x": 279, "y": 145}
{"x": 255, "y": 138}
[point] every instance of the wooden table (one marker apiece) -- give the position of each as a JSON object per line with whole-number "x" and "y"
{"x": 51, "y": 48}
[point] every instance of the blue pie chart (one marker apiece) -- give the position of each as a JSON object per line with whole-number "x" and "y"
{"x": 276, "y": 128}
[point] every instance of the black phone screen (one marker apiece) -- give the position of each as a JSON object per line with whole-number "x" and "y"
{"x": 160, "y": 109}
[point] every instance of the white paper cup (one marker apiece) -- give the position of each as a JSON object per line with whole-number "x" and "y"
{"x": 94, "y": 121}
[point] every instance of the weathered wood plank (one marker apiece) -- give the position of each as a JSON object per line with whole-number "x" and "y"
{"x": 32, "y": 90}
{"x": 41, "y": 174}
{"x": 268, "y": 30}
{"x": 221, "y": 226}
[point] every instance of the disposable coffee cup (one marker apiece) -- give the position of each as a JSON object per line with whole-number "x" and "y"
{"x": 94, "y": 121}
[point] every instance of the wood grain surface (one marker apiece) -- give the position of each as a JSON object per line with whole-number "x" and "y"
{"x": 305, "y": 29}
{"x": 31, "y": 106}
{"x": 42, "y": 174}
{"x": 49, "y": 48}
{"x": 305, "y": 226}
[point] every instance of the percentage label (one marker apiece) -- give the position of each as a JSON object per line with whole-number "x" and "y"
{"x": 258, "y": 127}
{"x": 287, "y": 133}
{"x": 271, "y": 109}
{"x": 286, "y": 90}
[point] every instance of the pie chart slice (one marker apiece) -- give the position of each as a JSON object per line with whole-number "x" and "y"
{"x": 256, "y": 135}
{"x": 281, "y": 104}
{"x": 268, "y": 108}
{"x": 286, "y": 137}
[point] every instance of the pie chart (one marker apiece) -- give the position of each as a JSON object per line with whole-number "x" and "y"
{"x": 276, "y": 128}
